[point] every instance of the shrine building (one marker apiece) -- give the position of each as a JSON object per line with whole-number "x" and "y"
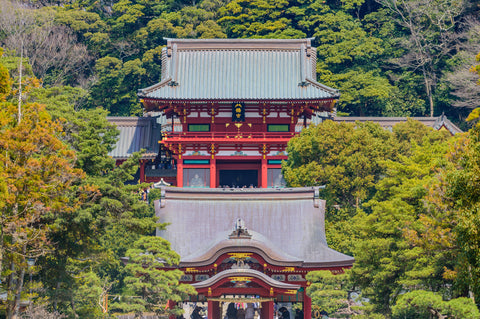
{"x": 217, "y": 128}
{"x": 233, "y": 104}
{"x": 227, "y": 109}
{"x": 248, "y": 246}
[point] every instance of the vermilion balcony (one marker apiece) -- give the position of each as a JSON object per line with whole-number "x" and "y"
{"x": 229, "y": 137}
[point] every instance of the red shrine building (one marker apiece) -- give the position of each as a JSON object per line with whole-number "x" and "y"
{"x": 248, "y": 246}
{"x": 233, "y": 105}
{"x": 225, "y": 109}
{"x": 217, "y": 128}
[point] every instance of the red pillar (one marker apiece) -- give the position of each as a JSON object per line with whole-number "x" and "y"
{"x": 210, "y": 309}
{"x": 267, "y": 310}
{"x": 213, "y": 173}
{"x": 142, "y": 171}
{"x": 171, "y": 305}
{"x": 214, "y": 310}
{"x": 263, "y": 311}
{"x": 179, "y": 173}
{"x": 307, "y": 305}
{"x": 270, "y": 311}
{"x": 264, "y": 174}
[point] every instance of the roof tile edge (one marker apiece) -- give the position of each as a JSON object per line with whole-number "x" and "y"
{"x": 242, "y": 193}
{"x": 238, "y": 43}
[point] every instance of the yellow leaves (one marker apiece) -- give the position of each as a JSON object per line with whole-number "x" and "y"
{"x": 150, "y": 55}
{"x": 475, "y": 114}
{"x": 98, "y": 37}
{"x": 476, "y": 68}
{"x": 449, "y": 274}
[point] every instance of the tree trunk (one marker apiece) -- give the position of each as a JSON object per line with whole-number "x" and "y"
{"x": 55, "y": 300}
{"x": 428, "y": 90}
{"x": 2, "y": 246}
{"x": 430, "y": 97}
{"x": 72, "y": 304}
{"x": 11, "y": 299}
{"x": 18, "y": 292}
{"x": 14, "y": 303}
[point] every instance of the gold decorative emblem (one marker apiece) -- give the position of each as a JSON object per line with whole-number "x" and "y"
{"x": 239, "y": 255}
{"x": 238, "y": 112}
{"x": 191, "y": 270}
{"x": 234, "y": 279}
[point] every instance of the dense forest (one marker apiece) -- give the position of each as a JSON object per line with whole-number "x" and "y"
{"x": 404, "y": 203}
{"x": 387, "y": 58}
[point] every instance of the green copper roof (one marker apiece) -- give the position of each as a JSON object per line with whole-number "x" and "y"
{"x": 247, "y": 69}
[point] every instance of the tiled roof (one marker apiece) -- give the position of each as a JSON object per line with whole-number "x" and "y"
{"x": 136, "y": 133}
{"x": 233, "y": 69}
{"x": 388, "y": 122}
{"x": 289, "y": 221}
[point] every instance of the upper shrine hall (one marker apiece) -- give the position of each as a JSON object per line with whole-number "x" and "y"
{"x": 233, "y": 106}
{"x": 225, "y": 109}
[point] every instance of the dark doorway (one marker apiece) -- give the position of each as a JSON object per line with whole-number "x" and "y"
{"x": 238, "y": 178}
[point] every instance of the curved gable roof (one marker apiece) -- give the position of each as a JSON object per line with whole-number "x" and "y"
{"x": 257, "y": 243}
{"x": 244, "y": 272}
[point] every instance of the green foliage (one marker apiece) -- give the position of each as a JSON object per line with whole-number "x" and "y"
{"x": 365, "y": 49}
{"x": 91, "y": 239}
{"x": 110, "y": 89}
{"x": 378, "y": 181}
{"x": 262, "y": 18}
{"x": 421, "y": 304}
{"x": 456, "y": 195}
{"x": 37, "y": 172}
{"x": 345, "y": 157}
{"x": 331, "y": 293}
{"x": 151, "y": 280}
{"x": 387, "y": 262}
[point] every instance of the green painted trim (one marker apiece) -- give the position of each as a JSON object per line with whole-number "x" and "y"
{"x": 199, "y": 127}
{"x": 274, "y": 161}
{"x": 196, "y": 161}
{"x": 278, "y": 128}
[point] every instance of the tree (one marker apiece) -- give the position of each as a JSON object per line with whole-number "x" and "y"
{"x": 53, "y": 51}
{"x": 262, "y": 18}
{"x": 387, "y": 262}
{"x": 461, "y": 79}
{"x": 426, "y": 304}
{"x": 344, "y": 157}
{"x": 345, "y": 55}
{"x": 90, "y": 240}
{"x": 151, "y": 282}
{"x": 430, "y": 27}
{"x": 111, "y": 90}
{"x": 37, "y": 170}
{"x": 454, "y": 213}
{"x": 332, "y": 293}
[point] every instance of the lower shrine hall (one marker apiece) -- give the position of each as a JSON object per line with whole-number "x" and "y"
{"x": 248, "y": 246}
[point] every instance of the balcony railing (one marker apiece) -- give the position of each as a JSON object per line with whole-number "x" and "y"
{"x": 229, "y": 135}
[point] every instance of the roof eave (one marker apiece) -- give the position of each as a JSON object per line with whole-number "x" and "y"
{"x": 244, "y": 272}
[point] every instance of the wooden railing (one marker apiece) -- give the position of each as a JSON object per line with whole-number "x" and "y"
{"x": 230, "y": 135}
